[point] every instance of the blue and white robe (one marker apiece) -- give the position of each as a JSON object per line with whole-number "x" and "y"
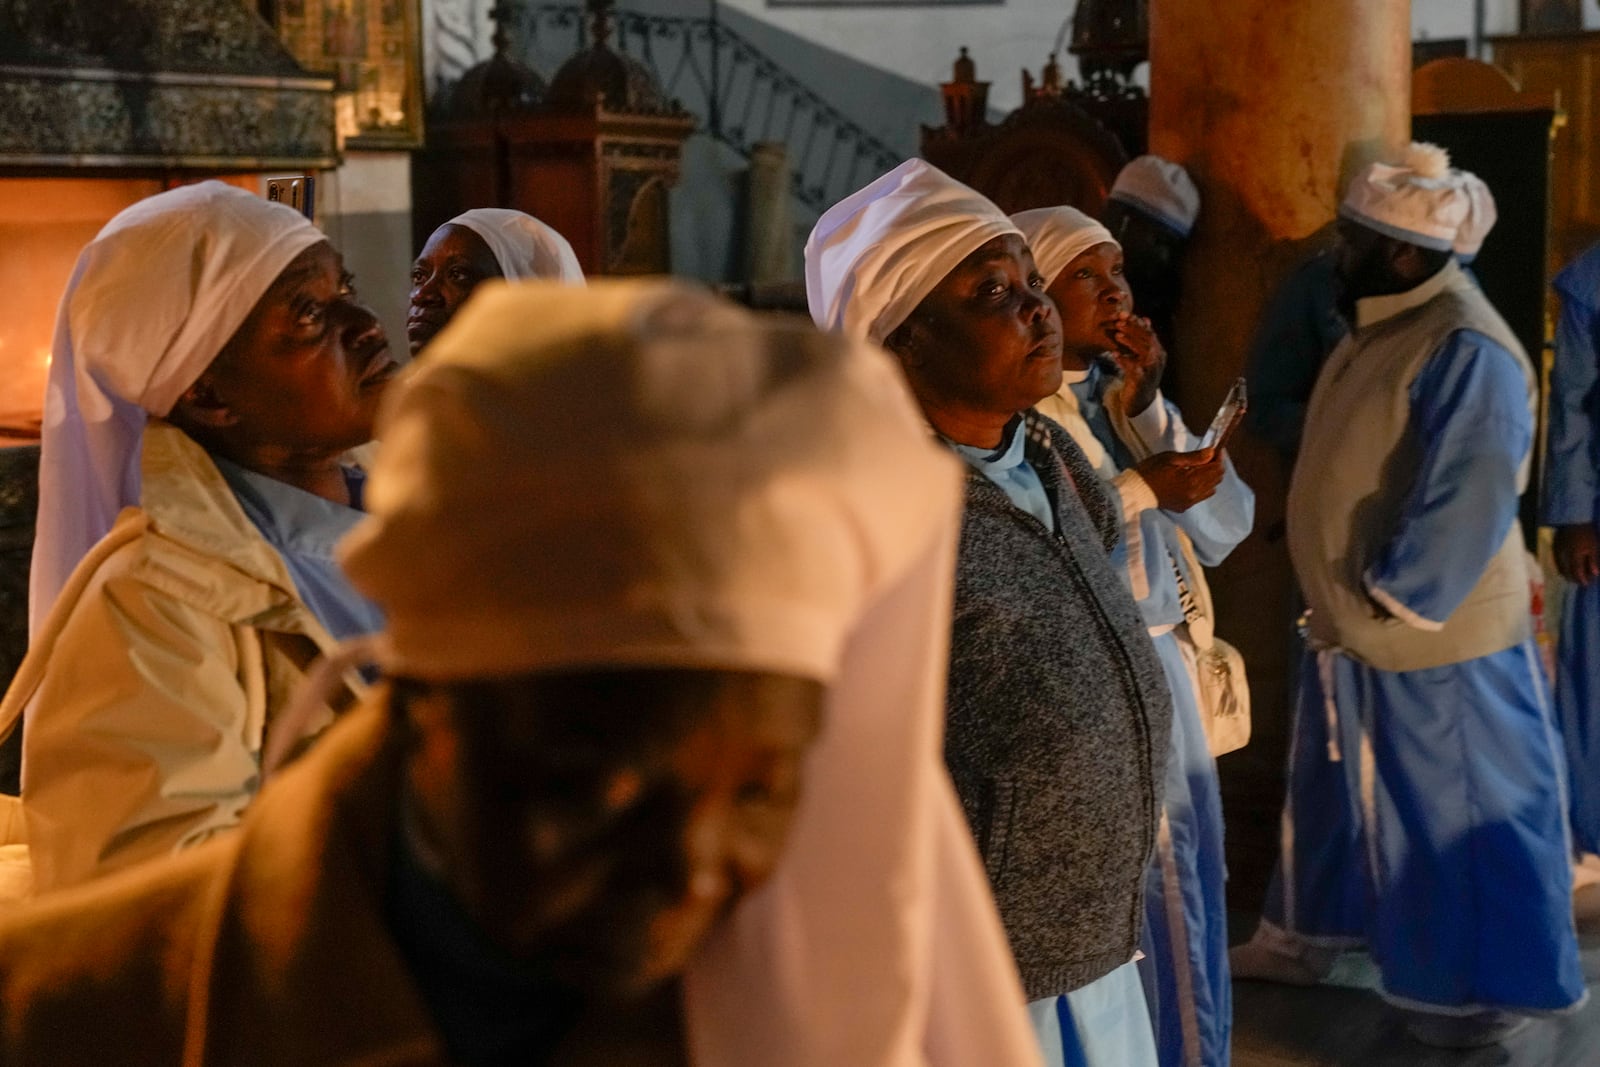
{"x": 1426, "y": 815}
{"x": 1572, "y": 496}
{"x": 1186, "y": 939}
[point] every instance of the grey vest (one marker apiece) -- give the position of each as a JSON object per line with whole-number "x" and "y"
{"x": 1357, "y": 466}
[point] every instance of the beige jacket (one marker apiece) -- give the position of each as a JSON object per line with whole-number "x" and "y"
{"x": 266, "y": 948}
{"x": 156, "y": 677}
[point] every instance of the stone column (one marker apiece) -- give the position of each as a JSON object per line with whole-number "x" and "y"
{"x": 1270, "y": 105}
{"x": 769, "y": 228}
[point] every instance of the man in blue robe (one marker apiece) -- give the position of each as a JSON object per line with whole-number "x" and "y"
{"x": 1572, "y": 506}
{"x": 1435, "y": 715}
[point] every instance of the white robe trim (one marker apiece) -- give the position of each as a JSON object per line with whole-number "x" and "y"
{"x": 1400, "y": 611}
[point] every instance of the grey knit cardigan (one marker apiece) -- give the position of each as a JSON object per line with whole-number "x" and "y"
{"x": 1058, "y": 715}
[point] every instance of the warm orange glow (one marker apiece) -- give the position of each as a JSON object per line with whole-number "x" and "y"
{"x": 44, "y": 224}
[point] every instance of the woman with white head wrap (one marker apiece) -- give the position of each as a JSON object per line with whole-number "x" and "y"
{"x": 210, "y": 369}
{"x": 1047, "y": 649}
{"x": 1193, "y": 509}
{"x": 486, "y": 242}
{"x": 718, "y": 664}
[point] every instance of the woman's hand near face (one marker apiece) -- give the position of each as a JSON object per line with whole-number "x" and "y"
{"x": 1180, "y": 480}
{"x": 1141, "y": 358}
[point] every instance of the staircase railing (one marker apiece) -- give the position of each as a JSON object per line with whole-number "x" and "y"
{"x": 742, "y": 96}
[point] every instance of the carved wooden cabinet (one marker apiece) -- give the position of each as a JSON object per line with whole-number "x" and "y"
{"x": 592, "y": 155}
{"x": 599, "y": 177}
{"x": 1064, "y": 145}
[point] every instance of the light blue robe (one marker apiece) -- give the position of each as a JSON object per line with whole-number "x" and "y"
{"x": 1453, "y": 805}
{"x": 1571, "y": 496}
{"x": 1186, "y": 936}
{"x": 304, "y": 529}
{"x": 1008, "y": 468}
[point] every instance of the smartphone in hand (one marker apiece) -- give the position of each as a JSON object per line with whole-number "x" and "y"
{"x": 1227, "y": 419}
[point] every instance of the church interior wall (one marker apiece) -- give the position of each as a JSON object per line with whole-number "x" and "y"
{"x": 365, "y": 207}
{"x": 878, "y": 63}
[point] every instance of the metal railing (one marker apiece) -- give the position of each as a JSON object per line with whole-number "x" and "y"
{"x": 740, "y": 94}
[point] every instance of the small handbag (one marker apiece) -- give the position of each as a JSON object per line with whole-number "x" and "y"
{"x": 1222, "y": 689}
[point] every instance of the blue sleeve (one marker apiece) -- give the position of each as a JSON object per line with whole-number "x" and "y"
{"x": 1217, "y": 525}
{"x": 1470, "y": 413}
{"x": 1573, "y": 449}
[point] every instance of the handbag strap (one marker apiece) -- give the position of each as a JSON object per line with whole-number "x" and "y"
{"x": 1195, "y": 600}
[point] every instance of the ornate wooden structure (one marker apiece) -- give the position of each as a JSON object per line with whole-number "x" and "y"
{"x": 1051, "y": 150}
{"x": 593, "y": 153}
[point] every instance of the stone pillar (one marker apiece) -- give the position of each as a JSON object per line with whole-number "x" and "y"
{"x": 1270, "y": 105}
{"x": 769, "y": 227}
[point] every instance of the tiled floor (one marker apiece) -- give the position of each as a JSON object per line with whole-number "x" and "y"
{"x": 1344, "y": 1024}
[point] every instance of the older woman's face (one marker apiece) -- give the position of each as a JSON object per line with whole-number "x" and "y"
{"x": 449, "y": 267}
{"x": 305, "y": 371}
{"x": 987, "y": 338}
{"x": 603, "y": 823}
{"x": 1091, "y": 293}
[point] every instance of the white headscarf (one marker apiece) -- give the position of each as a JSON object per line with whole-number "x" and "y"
{"x": 769, "y": 500}
{"x": 1059, "y": 235}
{"x": 874, "y": 256}
{"x": 151, "y": 302}
{"x": 522, "y": 245}
{"x": 1161, "y": 189}
{"x": 1421, "y": 200}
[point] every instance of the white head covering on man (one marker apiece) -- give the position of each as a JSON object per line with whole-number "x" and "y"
{"x": 1481, "y": 217}
{"x": 874, "y": 256}
{"x": 774, "y": 504}
{"x": 1421, "y": 200}
{"x": 522, "y": 245}
{"x": 1160, "y": 189}
{"x": 151, "y": 302}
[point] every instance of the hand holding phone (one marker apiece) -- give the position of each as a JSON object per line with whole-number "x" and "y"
{"x": 1227, "y": 419}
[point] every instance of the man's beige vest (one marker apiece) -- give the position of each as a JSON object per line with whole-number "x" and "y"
{"x": 1358, "y": 463}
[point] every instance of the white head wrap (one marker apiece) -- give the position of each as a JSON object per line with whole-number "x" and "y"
{"x": 769, "y": 499}
{"x": 1161, "y": 189}
{"x": 151, "y": 302}
{"x": 1059, "y": 235}
{"x": 522, "y": 245}
{"x": 1481, "y": 217}
{"x": 874, "y": 256}
{"x": 1422, "y": 200}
